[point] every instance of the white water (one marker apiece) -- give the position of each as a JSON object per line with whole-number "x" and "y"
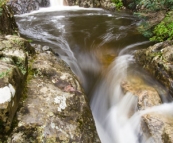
{"x": 112, "y": 109}
{"x": 116, "y": 115}
{"x": 56, "y": 3}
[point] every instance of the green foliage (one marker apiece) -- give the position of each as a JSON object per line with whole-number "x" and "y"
{"x": 145, "y": 29}
{"x": 164, "y": 30}
{"x": 154, "y": 5}
{"x": 2, "y": 2}
{"x": 118, "y": 3}
{"x": 30, "y": 40}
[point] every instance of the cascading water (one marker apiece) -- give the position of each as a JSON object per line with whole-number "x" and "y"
{"x": 55, "y": 3}
{"x": 95, "y": 43}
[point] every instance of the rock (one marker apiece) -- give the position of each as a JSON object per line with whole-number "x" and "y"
{"x": 157, "y": 126}
{"x": 147, "y": 95}
{"x": 11, "y": 81}
{"x": 56, "y": 109}
{"x": 45, "y": 48}
{"x": 43, "y": 3}
{"x": 13, "y": 71}
{"x": 109, "y": 5}
{"x": 157, "y": 60}
{"x": 26, "y": 6}
{"x": 83, "y": 3}
{"x": 7, "y": 21}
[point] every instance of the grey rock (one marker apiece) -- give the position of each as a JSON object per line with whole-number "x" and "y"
{"x": 13, "y": 71}
{"x": 56, "y": 108}
{"x": 26, "y": 6}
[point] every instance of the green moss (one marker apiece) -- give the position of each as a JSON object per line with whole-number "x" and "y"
{"x": 4, "y": 74}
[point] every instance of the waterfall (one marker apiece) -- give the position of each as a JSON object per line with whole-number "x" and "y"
{"x": 55, "y": 3}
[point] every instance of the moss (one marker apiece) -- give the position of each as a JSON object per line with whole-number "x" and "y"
{"x": 5, "y": 73}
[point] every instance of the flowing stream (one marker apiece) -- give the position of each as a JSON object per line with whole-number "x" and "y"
{"x": 98, "y": 46}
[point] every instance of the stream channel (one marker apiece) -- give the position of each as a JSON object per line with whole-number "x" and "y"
{"x": 98, "y": 46}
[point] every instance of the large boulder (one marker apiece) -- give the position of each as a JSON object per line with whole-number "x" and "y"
{"x": 13, "y": 71}
{"x": 158, "y": 61}
{"x": 56, "y": 108}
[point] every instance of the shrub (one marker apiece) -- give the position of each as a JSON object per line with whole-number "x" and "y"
{"x": 118, "y": 3}
{"x": 154, "y": 5}
{"x": 164, "y": 30}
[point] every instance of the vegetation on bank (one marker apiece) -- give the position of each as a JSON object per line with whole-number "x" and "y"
{"x": 161, "y": 30}
{"x": 2, "y": 2}
{"x": 118, "y": 4}
{"x": 152, "y": 5}
{"x": 164, "y": 30}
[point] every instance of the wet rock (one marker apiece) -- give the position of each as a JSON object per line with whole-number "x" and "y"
{"x": 43, "y": 3}
{"x": 56, "y": 109}
{"x": 159, "y": 126}
{"x": 156, "y": 126}
{"x": 13, "y": 70}
{"x": 147, "y": 95}
{"x": 26, "y": 6}
{"x": 157, "y": 60}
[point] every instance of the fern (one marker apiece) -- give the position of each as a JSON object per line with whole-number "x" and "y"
{"x": 164, "y": 30}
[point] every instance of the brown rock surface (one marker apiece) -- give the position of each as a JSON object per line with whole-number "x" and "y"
{"x": 156, "y": 125}
{"x": 157, "y": 60}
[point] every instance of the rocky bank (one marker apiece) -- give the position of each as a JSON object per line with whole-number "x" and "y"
{"x": 41, "y": 99}
{"x": 156, "y": 126}
{"x": 55, "y": 108}
{"x": 157, "y": 60}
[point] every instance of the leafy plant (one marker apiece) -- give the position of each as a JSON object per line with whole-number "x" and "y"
{"x": 118, "y": 3}
{"x": 164, "y": 30}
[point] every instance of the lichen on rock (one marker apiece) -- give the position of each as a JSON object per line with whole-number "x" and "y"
{"x": 56, "y": 108}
